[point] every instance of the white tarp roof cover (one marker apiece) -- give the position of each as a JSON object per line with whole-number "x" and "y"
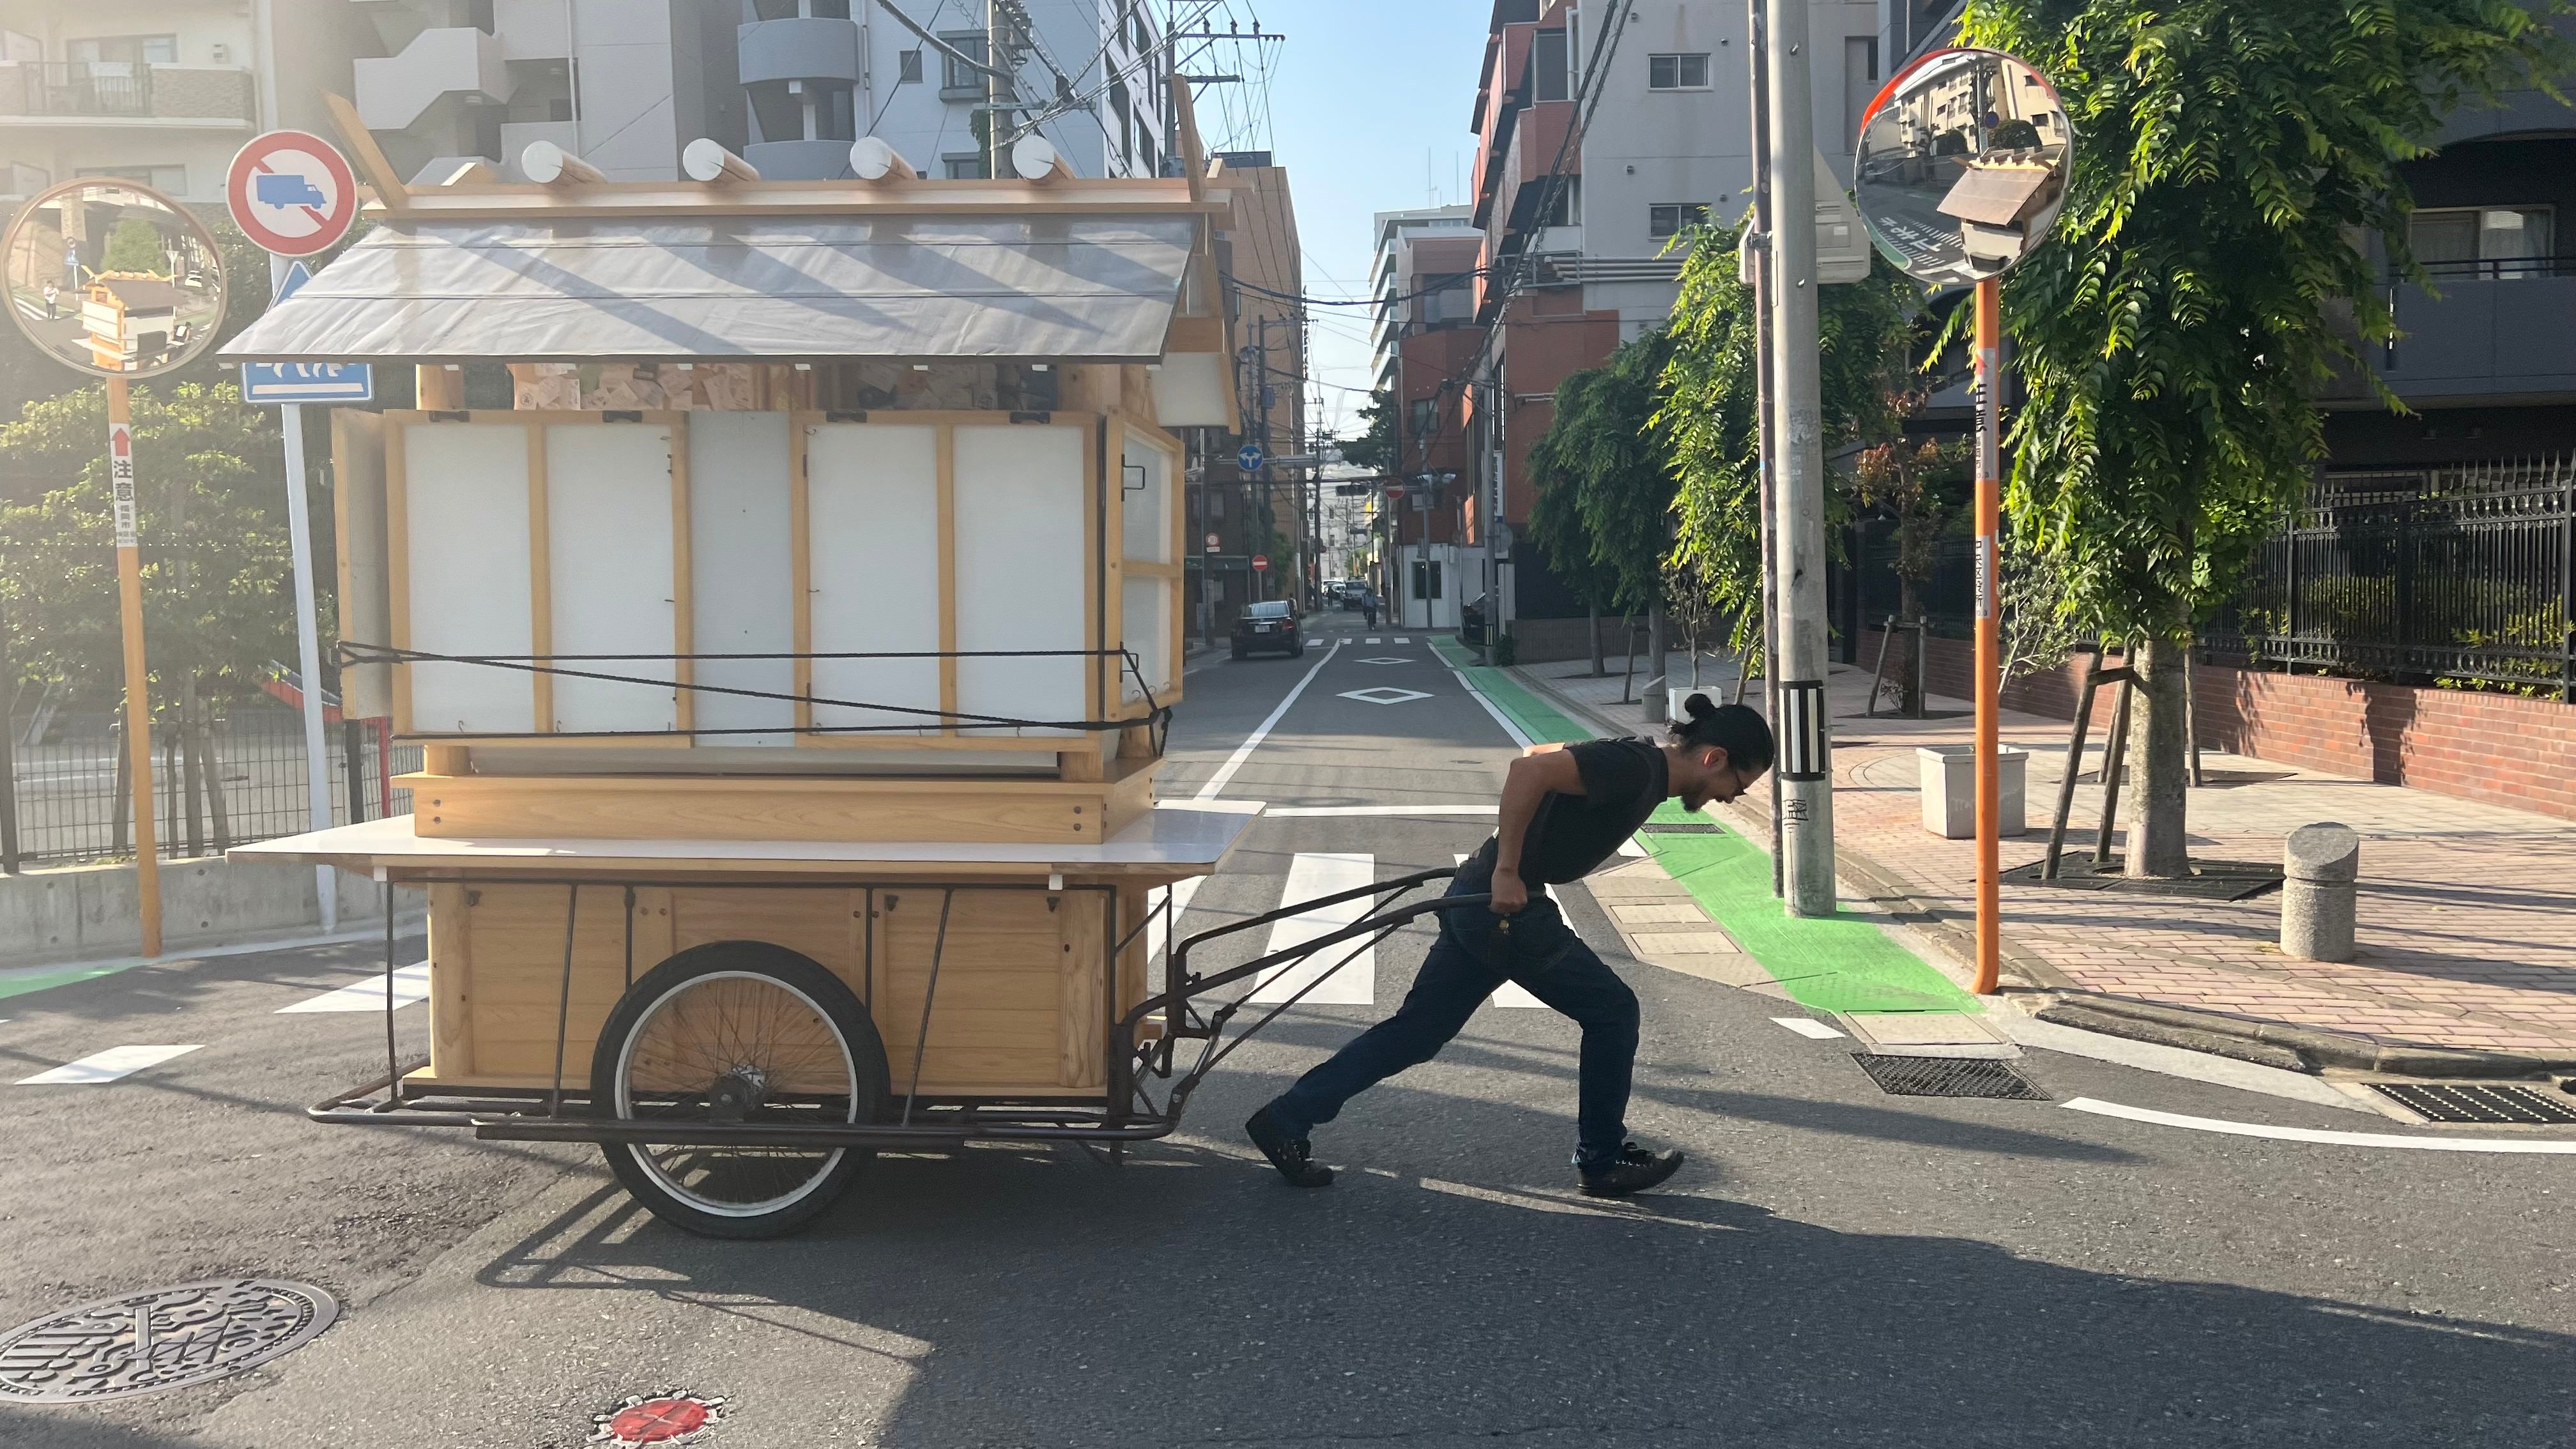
{"x": 1081, "y": 288}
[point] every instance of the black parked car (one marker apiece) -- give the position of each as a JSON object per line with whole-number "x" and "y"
{"x": 1268, "y": 626}
{"x": 1471, "y": 621}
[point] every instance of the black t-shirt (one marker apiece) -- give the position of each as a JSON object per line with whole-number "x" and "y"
{"x": 1623, "y": 781}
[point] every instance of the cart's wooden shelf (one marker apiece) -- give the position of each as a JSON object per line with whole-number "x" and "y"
{"x": 781, "y": 808}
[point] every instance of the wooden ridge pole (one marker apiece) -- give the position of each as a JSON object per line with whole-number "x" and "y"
{"x": 138, "y": 698}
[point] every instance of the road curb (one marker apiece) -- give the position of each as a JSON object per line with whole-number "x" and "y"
{"x": 2272, "y": 1044}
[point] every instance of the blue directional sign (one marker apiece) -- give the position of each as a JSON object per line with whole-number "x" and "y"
{"x": 1250, "y": 458}
{"x": 305, "y": 382}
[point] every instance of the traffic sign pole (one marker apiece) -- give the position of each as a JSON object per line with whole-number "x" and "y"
{"x": 138, "y": 694}
{"x": 1990, "y": 636}
{"x": 308, "y": 642}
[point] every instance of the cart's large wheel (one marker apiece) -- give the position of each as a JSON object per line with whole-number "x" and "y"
{"x": 738, "y": 1031}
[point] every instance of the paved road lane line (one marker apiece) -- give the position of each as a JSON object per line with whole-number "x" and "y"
{"x": 1517, "y": 736}
{"x": 1225, "y": 773}
{"x": 1310, "y": 875}
{"x": 2557, "y": 1146}
{"x": 106, "y": 1066}
{"x": 1512, "y": 994}
{"x": 1808, "y": 1027}
{"x": 411, "y": 986}
{"x": 1180, "y": 892}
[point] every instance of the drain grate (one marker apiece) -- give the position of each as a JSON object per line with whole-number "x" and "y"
{"x": 1676, "y": 827}
{"x": 1948, "y": 1077}
{"x": 2482, "y": 1102}
{"x": 165, "y": 1338}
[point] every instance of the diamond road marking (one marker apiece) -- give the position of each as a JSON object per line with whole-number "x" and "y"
{"x": 1384, "y": 695}
{"x": 1384, "y": 659}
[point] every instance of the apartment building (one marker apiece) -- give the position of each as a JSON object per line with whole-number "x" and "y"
{"x": 822, "y": 73}
{"x": 1270, "y": 513}
{"x": 1599, "y": 139}
{"x": 161, "y": 92}
{"x": 1424, "y": 275}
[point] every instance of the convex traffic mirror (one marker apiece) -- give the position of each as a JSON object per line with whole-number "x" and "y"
{"x": 112, "y": 278}
{"x": 1962, "y": 165}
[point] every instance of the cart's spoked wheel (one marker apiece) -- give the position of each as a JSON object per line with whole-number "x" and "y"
{"x": 738, "y": 1033}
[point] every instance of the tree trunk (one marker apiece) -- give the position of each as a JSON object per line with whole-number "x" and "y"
{"x": 2158, "y": 761}
{"x": 1658, "y": 644}
{"x": 1909, "y": 606}
{"x": 1592, "y": 627}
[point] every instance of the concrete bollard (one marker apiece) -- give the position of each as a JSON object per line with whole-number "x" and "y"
{"x": 2321, "y": 864}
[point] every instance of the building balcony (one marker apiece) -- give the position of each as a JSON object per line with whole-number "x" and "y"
{"x": 126, "y": 93}
{"x": 395, "y": 91}
{"x": 815, "y": 48}
{"x": 2500, "y": 330}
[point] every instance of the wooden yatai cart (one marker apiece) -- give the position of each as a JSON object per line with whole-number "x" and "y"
{"x": 792, "y": 663}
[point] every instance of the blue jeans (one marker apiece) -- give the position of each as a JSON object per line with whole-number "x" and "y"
{"x": 1471, "y": 958}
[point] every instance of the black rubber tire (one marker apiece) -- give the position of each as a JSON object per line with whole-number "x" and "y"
{"x": 840, "y": 1007}
{"x": 1242, "y": 653}
{"x": 1300, "y": 651}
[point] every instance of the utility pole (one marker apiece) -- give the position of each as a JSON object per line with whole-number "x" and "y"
{"x": 1804, "y": 772}
{"x": 1765, "y": 433}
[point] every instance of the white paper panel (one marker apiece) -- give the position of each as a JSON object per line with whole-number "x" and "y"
{"x": 872, "y": 495}
{"x": 1145, "y": 477}
{"x": 1147, "y": 620}
{"x": 741, "y": 580}
{"x": 465, "y": 519}
{"x": 1021, "y": 567}
{"x": 609, "y": 585}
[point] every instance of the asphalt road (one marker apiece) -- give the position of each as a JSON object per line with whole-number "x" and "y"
{"x": 1834, "y": 1267}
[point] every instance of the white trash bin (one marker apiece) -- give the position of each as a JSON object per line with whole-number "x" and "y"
{"x": 1676, "y": 697}
{"x": 1950, "y": 790}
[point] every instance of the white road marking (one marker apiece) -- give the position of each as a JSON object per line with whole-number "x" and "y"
{"x": 1546, "y": 1202}
{"x": 1630, "y": 846}
{"x": 1311, "y": 875}
{"x": 1225, "y": 773}
{"x": 2149, "y": 1056}
{"x": 1398, "y": 639}
{"x": 1385, "y": 694}
{"x": 1326, "y": 812}
{"x": 1180, "y": 892}
{"x": 1500, "y": 718}
{"x": 1809, "y": 1028}
{"x": 411, "y": 985}
{"x": 106, "y": 1066}
{"x": 2552, "y": 1145}
{"x": 1372, "y": 641}
{"x": 1512, "y": 993}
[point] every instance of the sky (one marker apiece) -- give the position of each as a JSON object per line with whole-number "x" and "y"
{"x": 1366, "y": 104}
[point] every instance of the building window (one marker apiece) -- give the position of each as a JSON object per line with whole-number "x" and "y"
{"x": 2485, "y": 241}
{"x": 1548, "y": 80}
{"x": 969, "y": 167}
{"x": 1422, "y": 417}
{"x": 1672, "y": 218}
{"x": 168, "y": 180}
{"x": 907, "y": 66}
{"x": 1677, "y": 72}
{"x": 1557, "y": 199}
{"x": 1426, "y": 578}
{"x": 1126, "y": 122}
{"x": 123, "y": 50}
{"x": 956, "y": 76}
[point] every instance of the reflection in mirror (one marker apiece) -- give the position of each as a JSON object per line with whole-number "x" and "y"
{"x": 1962, "y": 165}
{"x": 112, "y": 278}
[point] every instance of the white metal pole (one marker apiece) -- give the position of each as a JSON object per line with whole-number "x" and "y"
{"x": 1805, "y": 767}
{"x": 308, "y": 642}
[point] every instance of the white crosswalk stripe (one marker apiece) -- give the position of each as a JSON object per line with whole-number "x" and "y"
{"x": 1373, "y": 641}
{"x": 106, "y": 1066}
{"x": 1512, "y": 993}
{"x": 1310, "y": 875}
{"x": 411, "y": 986}
{"x": 1155, "y": 926}
{"x": 1398, "y": 639}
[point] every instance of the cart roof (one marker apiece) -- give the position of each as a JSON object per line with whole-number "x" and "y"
{"x": 1997, "y": 195}
{"x": 1084, "y": 288}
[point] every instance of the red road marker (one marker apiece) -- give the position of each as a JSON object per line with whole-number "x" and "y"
{"x": 654, "y": 1419}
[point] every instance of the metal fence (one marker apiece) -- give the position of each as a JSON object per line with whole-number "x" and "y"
{"x": 2462, "y": 577}
{"x": 245, "y": 780}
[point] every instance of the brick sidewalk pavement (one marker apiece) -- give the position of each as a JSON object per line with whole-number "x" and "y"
{"x": 2464, "y": 937}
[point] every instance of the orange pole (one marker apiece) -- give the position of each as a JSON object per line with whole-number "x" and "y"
{"x": 1989, "y": 633}
{"x": 138, "y": 696}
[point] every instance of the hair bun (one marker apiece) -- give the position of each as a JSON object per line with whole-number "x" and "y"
{"x": 1699, "y": 706}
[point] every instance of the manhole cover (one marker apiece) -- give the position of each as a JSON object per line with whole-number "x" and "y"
{"x": 2210, "y": 880}
{"x": 1660, "y": 827}
{"x": 1947, "y": 1077}
{"x": 2447, "y": 1102}
{"x": 164, "y": 1338}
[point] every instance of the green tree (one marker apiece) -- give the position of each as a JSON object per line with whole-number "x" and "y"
{"x": 1920, "y": 485}
{"x": 134, "y": 247}
{"x": 1374, "y": 448}
{"x": 1612, "y": 521}
{"x": 2233, "y": 158}
{"x": 1705, "y": 419}
{"x": 208, "y": 485}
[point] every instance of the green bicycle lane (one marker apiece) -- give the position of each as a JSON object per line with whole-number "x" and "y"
{"x": 1839, "y": 963}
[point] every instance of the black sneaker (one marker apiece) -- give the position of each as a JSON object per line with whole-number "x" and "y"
{"x": 1633, "y": 1170}
{"x": 1293, "y": 1156}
